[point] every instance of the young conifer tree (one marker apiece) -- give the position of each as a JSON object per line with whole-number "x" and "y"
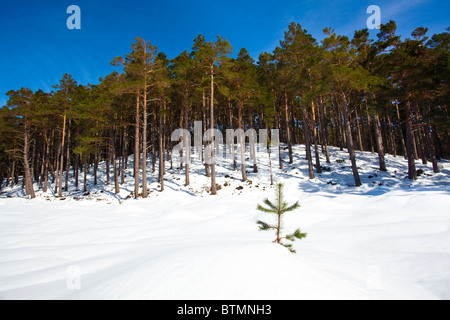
{"x": 280, "y": 207}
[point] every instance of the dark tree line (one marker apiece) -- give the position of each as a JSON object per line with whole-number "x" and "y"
{"x": 388, "y": 95}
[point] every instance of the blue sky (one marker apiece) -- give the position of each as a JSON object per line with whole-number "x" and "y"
{"x": 37, "y": 48}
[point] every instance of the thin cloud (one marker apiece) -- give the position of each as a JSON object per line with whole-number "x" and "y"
{"x": 400, "y": 7}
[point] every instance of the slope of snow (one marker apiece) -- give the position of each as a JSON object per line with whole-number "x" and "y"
{"x": 389, "y": 239}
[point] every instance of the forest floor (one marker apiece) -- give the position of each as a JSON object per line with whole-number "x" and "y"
{"x": 389, "y": 239}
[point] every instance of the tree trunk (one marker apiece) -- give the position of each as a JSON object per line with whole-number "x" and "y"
{"x": 270, "y": 156}
{"x": 420, "y": 136}
{"x": 391, "y": 134}
{"x": 412, "y": 174}
{"x": 26, "y": 164}
{"x": 155, "y": 141}
{"x": 431, "y": 152}
{"x": 75, "y": 171}
{"x": 96, "y": 162}
{"x": 288, "y": 132}
{"x": 369, "y": 125}
{"x": 114, "y": 162}
{"x": 188, "y": 146}
{"x": 144, "y": 146}
{"x": 253, "y": 145}
{"x": 85, "y": 175}
{"x": 277, "y": 121}
{"x": 348, "y": 131}
{"x": 242, "y": 143}
{"x": 46, "y": 163}
{"x": 207, "y": 171}
{"x": 400, "y": 129}
{"x": 323, "y": 129}
{"x": 230, "y": 126}
{"x": 213, "y": 164}
{"x": 136, "y": 149}
{"x": 314, "y": 131}
{"x": 62, "y": 156}
{"x": 307, "y": 143}
{"x": 358, "y": 129}
{"x": 437, "y": 143}
{"x": 66, "y": 187}
{"x": 161, "y": 151}
{"x": 379, "y": 143}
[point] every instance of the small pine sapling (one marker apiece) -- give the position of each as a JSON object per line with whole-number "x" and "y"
{"x": 280, "y": 208}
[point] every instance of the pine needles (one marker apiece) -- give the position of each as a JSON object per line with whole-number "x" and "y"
{"x": 280, "y": 207}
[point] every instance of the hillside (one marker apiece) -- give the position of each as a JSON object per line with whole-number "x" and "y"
{"x": 389, "y": 239}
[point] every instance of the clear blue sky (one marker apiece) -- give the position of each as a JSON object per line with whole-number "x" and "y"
{"x": 37, "y": 48}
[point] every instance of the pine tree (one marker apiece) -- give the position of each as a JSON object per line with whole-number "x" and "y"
{"x": 138, "y": 66}
{"x": 24, "y": 111}
{"x": 63, "y": 102}
{"x": 209, "y": 55}
{"x": 280, "y": 207}
{"x": 240, "y": 86}
{"x": 184, "y": 83}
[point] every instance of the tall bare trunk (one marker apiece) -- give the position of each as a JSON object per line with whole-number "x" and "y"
{"x": 161, "y": 150}
{"x": 242, "y": 142}
{"x": 306, "y": 131}
{"x": 323, "y": 128}
{"x": 431, "y": 151}
{"x": 277, "y": 126}
{"x": 66, "y": 186}
{"x": 412, "y": 174}
{"x": 233, "y": 149}
{"x": 144, "y": 146}
{"x": 86, "y": 166}
{"x": 400, "y": 129}
{"x": 358, "y": 129}
{"x": 207, "y": 171}
{"x": 114, "y": 161}
{"x": 26, "y": 163}
{"x": 316, "y": 148}
{"x": 213, "y": 162}
{"x": 288, "y": 132}
{"x": 188, "y": 145}
{"x": 369, "y": 125}
{"x": 136, "y": 149}
{"x": 379, "y": 143}
{"x": 46, "y": 162}
{"x": 270, "y": 157}
{"x": 348, "y": 131}
{"x": 62, "y": 155}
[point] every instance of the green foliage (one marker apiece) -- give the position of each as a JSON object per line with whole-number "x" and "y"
{"x": 371, "y": 77}
{"x": 280, "y": 207}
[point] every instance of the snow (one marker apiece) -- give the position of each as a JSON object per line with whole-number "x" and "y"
{"x": 389, "y": 239}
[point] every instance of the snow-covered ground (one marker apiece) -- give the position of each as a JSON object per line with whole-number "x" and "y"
{"x": 389, "y": 239}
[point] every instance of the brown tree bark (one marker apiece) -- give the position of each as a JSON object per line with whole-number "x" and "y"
{"x": 136, "y": 148}
{"x": 161, "y": 149}
{"x": 412, "y": 174}
{"x": 379, "y": 143}
{"x": 213, "y": 164}
{"x": 306, "y": 132}
{"x": 348, "y": 131}
{"x": 288, "y": 131}
{"x": 207, "y": 171}
{"x": 62, "y": 155}
{"x": 242, "y": 142}
{"x": 114, "y": 161}
{"x": 315, "y": 135}
{"x": 66, "y": 186}
{"x": 26, "y": 163}
{"x": 431, "y": 152}
{"x": 323, "y": 129}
